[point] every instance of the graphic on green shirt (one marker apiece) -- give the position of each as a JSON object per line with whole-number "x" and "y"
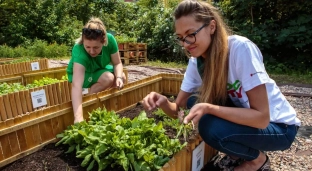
{"x": 235, "y": 89}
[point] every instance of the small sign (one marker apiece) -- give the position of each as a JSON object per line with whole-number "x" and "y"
{"x": 38, "y": 98}
{"x": 85, "y": 90}
{"x": 198, "y": 157}
{"x": 35, "y": 66}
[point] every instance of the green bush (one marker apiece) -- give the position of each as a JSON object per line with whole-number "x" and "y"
{"x": 281, "y": 29}
{"x": 38, "y": 48}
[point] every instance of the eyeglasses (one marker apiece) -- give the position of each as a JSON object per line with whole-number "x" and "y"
{"x": 92, "y": 33}
{"x": 191, "y": 38}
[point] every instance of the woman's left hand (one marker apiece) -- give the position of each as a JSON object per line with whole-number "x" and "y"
{"x": 119, "y": 82}
{"x": 196, "y": 112}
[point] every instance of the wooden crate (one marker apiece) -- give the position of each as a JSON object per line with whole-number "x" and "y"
{"x": 18, "y": 103}
{"x": 11, "y": 69}
{"x": 127, "y": 46}
{"x": 5, "y": 60}
{"x": 141, "y": 46}
{"x": 133, "y": 57}
{"x": 29, "y": 77}
{"x": 27, "y": 133}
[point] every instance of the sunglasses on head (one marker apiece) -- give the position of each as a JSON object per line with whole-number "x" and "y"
{"x": 92, "y": 33}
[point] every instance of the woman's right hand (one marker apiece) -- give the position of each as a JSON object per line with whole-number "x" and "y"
{"x": 78, "y": 119}
{"x": 153, "y": 100}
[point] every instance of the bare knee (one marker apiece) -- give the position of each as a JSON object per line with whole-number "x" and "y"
{"x": 106, "y": 79}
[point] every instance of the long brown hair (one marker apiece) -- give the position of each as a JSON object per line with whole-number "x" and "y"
{"x": 215, "y": 74}
{"x": 95, "y": 23}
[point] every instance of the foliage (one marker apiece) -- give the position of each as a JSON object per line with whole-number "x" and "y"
{"x": 108, "y": 140}
{"x": 156, "y": 29}
{"x": 37, "y": 48}
{"x": 281, "y": 29}
{"x": 38, "y": 19}
{"x": 6, "y": 88}
{"x": 176, "y": 124}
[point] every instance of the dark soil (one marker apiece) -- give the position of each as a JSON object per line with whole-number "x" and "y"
{"x": 54, "y": 158}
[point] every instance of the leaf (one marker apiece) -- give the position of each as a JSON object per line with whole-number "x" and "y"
{"x": 71, "y": 149}
{"x": 90, "y": 165}
{"x": 86, "y": 160}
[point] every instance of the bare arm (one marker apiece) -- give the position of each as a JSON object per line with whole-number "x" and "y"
{"x": 257, "y": 116}
{"x": 78, "y": 79}
{"x": 154, "y": 100}
{"x": 117, "y": 64}
{"x": 118, "y": 68}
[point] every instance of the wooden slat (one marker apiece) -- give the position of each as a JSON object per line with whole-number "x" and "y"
{"x": 68, "y": 96}
{"x": 55, "y": 93}
{"x": 50, "y": 95}
{"x": 5, "y": 145}
{"x": 7, "y": 106}
{"x": 63, "y": 93}
{"x": 45, "y": 87}
{"x": 28, "y": 100}
{"x": 2, "y": 109}
{"x": 15, "y": 149}
{"x": 18, "y": 102}
{"x": 21, "y": 135}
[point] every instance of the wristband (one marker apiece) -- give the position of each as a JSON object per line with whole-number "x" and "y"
{"x": 119, "y": 77}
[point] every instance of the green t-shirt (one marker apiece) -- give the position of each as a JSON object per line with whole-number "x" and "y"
{"x": 92, "y": 64}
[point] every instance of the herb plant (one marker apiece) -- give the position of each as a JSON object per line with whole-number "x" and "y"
{"x": 107, "y": 140}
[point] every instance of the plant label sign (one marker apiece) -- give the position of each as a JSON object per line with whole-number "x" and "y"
{"x": 38, "y": 98}
{"x": 85, "y": 91}
{"x": 35, "y": 66}
{"x": 198, "y": 157}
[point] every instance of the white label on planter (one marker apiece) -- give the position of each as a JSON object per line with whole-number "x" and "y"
{"x": 35, "y": 66}
{"x": 85, "y": 91}
{"x": 38, "y": 98}
{"x": 198, "y": 157}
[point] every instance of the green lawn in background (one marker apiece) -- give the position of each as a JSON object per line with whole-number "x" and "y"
{"x": 292, "y": 77}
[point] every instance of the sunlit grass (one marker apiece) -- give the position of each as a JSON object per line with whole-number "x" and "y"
{"x": 165, "y": 64}
{"x": 292, "y": 78}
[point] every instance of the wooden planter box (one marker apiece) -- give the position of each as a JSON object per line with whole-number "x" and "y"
{"x": 27, "y": 133}
{"x": 18, "y": 103}
{"x": 10, "y": 69}
{"x": 30, "y": 76}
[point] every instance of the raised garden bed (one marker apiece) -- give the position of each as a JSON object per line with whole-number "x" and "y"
{"x": 28, "y": 133}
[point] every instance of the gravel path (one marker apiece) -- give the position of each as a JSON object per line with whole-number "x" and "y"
{"x": 298, "y": 157}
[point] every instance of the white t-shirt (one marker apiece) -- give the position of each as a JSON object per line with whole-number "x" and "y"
{"x": 246, "y": 71}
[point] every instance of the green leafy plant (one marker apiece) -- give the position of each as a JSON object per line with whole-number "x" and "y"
{"x": 107, "y": 140}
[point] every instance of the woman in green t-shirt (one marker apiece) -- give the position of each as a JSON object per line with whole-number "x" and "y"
{"x": 95, "y": 64}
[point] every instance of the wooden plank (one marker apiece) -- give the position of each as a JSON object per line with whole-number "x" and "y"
{"x": 13, "y": 105}
{"x": 58, "y": 92}
{"x": 5, "y": 145}
{"x": 68, "y": 96}
{"x": 50, "y": 95}
{"x": 14, "y": 143}
{"x": 2, "y": 109}
{"x": 27, "y": 94}
{"x": 7, "y": 106}
{"x": 45, "y": 87}
{"x": 21, "y": 135}
{"x": 18, "y": 103}
{"x": 23, "y": 102}
{"x": 55, "y": 93}
{"x": 25, "y": 153}
{"x": 63, "y": 93}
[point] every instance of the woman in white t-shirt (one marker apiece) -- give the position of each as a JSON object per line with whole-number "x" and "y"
{"x": 223, "y": 69}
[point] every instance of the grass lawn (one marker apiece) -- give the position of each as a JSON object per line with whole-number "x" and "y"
{"x": 293, "y": 77}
